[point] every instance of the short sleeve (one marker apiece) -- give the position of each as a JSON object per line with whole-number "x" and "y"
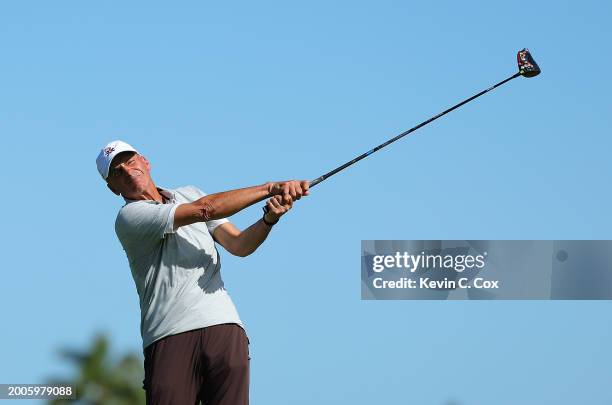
{"x": 141, "y": 225}
{"x": 212, "y": 224}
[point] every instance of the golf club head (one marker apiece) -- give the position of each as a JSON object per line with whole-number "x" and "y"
{"x": 527, "y": 66}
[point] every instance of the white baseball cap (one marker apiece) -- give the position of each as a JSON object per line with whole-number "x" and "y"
{"x": 106, "y": 155}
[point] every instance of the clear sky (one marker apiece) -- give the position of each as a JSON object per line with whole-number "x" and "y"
{"x": 232, "y": 95}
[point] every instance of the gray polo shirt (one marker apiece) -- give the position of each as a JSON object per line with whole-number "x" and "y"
{"x": 177, "y": 272}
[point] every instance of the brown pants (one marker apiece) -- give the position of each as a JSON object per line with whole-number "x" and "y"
{"x": 208, "y": 364}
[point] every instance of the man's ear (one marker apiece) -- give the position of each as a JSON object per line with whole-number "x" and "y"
{"x": 112, "y": 189}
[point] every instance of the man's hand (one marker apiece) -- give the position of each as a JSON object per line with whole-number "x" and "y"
{"x": 290, "y": 191}
{"x": 276, "y": 208}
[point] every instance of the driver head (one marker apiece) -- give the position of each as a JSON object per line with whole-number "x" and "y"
{"x": 527, "y": 66}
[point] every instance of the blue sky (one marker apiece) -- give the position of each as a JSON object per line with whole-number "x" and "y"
{"x": 227, "y": 96}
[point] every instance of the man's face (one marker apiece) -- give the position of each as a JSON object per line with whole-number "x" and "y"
{"x": 129, "y": 175}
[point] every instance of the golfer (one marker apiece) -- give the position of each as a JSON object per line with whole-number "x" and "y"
{"x": 194, "y": 344}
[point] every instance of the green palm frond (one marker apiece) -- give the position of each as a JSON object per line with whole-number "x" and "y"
{"x": 102, "y": 379}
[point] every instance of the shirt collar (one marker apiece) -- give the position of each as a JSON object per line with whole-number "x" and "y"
{"x": 168, "y": 196}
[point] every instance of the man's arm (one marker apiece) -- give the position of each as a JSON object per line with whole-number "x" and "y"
{"x": 243, "y": 243}
{"x": 227, "y": 203}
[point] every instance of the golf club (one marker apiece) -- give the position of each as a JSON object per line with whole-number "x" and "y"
{"x": 527, "y": 68}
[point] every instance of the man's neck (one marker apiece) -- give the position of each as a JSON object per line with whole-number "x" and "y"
{"x": 151, "y": 193}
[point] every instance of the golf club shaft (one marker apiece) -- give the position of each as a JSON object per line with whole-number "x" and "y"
{"x": 390, "y": 141}
{"x": 403, "y": 134}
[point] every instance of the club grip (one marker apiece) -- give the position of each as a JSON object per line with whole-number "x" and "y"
{"x": 311, "y": 185}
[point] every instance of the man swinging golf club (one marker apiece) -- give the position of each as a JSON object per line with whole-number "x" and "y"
{"x": 194, "y": 343}
{"x": 195, "y": 347}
